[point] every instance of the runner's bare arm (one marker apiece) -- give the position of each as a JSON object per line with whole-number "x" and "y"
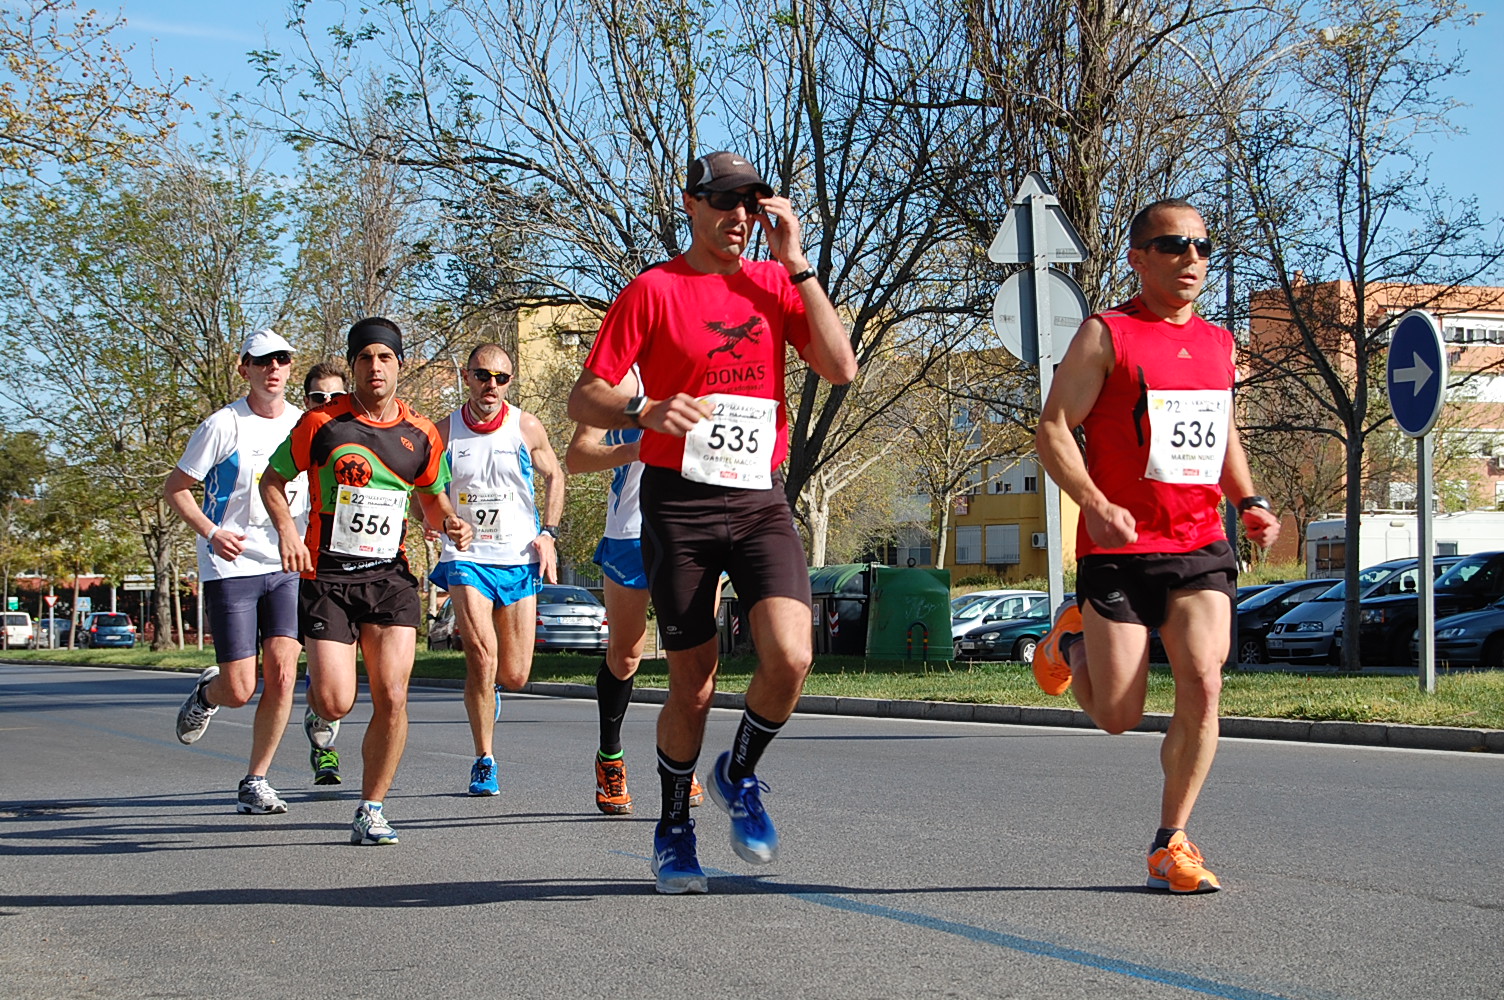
{"x": 597, "y": 402}
{"x": 1078, "y": 382}
{"x": 1237, "y": 482}
{"x": 295, "y": 555}
{"x": 547, "y": 463}
{"x": 178, "y": 492}
{"x": 829, "y": 350}
{"x": 438, "y": 510}
{"x": 588, "y": 452}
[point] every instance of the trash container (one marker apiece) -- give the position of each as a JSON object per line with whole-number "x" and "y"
{"x": 840, "y": 598}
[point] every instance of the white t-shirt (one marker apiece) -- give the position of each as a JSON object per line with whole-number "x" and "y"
{"x": 227, "y": 453}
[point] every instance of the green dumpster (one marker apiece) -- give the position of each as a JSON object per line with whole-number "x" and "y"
{"x": 909, "y": 614}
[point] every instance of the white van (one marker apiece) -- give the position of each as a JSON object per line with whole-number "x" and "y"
{"x": 18, "y": 633}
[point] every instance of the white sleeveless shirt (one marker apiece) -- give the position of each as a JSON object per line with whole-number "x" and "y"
{"x": 491, "y": 487}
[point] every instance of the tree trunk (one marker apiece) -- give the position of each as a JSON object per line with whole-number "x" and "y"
{"x": 943, "y": 520}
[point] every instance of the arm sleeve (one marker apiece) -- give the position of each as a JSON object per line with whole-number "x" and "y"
{"x": 435, "y": 475}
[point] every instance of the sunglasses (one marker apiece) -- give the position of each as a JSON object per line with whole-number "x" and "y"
{"x": 320, "y": 398}
{"x": 275, "y": 358}
{"x": 1177, "y": 245}
{"x": 726, "y": 201}
{"x": 485, "y": 375}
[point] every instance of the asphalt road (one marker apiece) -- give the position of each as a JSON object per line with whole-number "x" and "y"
{"x": 920, "y": 859}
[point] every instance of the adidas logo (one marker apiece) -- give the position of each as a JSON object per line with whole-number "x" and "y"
{"x": 1184, "y": 354}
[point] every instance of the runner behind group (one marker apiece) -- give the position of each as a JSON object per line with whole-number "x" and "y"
{"x": 365, "y": 454}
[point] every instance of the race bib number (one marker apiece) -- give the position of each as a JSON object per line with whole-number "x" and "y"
{"x": 368, "y": 523}
{"x": 484, "y": 511}
{"x": 297, "y": 499}
{"x": 1188, "y": 435}
{"x": 734, "y": 445}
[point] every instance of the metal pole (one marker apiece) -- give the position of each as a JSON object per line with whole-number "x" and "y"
{"x": 1230, "y": 511}
{"x": 1044, "y": 321}
{"x": 1426, "y": 619}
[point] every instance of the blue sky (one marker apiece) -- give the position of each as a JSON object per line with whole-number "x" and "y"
{"x": 208, "y": 41}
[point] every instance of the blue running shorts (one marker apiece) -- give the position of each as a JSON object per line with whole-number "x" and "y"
{"x": 621, "y": 560}
{"x": 500, "y": 585}
{"x": 243, "y": 610}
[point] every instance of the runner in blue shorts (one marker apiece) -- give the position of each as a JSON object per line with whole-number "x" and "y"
{"x": 625, "y": 586}
{"x": 494, "y": 449}
{"x": 250, "y": 602}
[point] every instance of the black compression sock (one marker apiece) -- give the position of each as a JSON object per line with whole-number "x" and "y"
{"x": 612, "y": 696}
{"x": 752, "y": 738}
{"x": 1162, "y": 837}
{"x": 675, "y": 776}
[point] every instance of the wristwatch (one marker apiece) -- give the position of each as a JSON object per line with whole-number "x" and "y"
{"x": 635, "y": 408}
{"x": 551, "y": 530}
{"x": 1248, "y": 503}
{"x": 803, "y": 275}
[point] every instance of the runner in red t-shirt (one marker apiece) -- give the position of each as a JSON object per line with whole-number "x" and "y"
{"x": 1150, "y": 383}
{"x": 708, "y": 331}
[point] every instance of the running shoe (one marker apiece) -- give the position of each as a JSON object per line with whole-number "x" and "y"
{"x": 696, "y": 791}
{"x": 611, "y": 795}
{"x": 1178, "y": 868}
{"x": 675, "y": 865}
{"x": 193, "y": 717}
{"x": 325, "y": 764}
{"x": 371, "y": 828}
{"x": 320, "y": 734}
{"x": 483, "y": 777}
{"x": 752, "y": 835}
{"x": 1051, "y": 671}
{"x": 258, "y": 798}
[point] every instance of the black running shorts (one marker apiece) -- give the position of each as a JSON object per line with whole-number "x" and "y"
{"x": 244, "y": 610}
{"x": 329, "y": 609}
{"x": 1135, "y": 588}
{"x": 692, "y": 532}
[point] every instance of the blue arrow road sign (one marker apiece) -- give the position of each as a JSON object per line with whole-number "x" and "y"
{"x": 1417, "y": 372}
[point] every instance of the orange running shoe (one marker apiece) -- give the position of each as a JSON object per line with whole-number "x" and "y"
{"x": 696, "y": 791}
{"x": 611, "y": 795}
{"x": 1051, "y": 671}
{"x": 1178, "y": 868}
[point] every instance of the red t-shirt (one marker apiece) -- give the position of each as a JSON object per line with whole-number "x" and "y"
{"x": 1153, "y": 358}
{"x": 703, "y": 333}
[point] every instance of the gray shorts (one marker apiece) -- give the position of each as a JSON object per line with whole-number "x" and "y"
{"x": 243, "y": 610}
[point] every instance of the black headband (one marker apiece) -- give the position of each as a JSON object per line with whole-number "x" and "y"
{"x": 372, "y": 331}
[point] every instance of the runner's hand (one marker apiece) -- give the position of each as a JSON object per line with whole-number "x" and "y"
{"x": 459, "y": 531}
{"x": 548, "y": 557}
{"x": 1262, "y": 526}
{"x": 676, "y": 415}
{"x": 295, "y": 555}
{"x": 226, "y": 544}
{"x": 780, "y": 227}
{"x": 1111, "y": 526}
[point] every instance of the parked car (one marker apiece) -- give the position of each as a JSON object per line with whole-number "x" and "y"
{"x": 1308, "y": 632}
{"x": 1386, "y": 621}
{"x": 59, "y": 627}
{"x": 18, "y": 630}
{"x": 107, "y": 628}
{"x": 1013, "y": 639}
{"x": 1257, "y": 613}
{"x": 1157, "y": 647}
{"x": 1471, "y": 639}
{"x": 571, "y": 618}
{"x": 442, "y": 631}
{"x": 996, "y": 606}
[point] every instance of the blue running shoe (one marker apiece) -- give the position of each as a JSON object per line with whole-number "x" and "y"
{"x": 674, "y": 862}
{"x": 752, "y": 835}
{"x": 483, "y": 777}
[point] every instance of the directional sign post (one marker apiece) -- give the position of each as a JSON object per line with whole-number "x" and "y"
{"x": 1037, "y": 311}
{"x": 1417, "y": 381}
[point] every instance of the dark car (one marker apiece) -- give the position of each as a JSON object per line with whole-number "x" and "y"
{"x": 1257, "y": 613}
{"x": 1157, "y": 652}
{"x": 442, "y": 632}
{"x": 58, "y": 628}
{"x": 1013, "y": 639}
{"x": 107, "y": 628}
{"x": 571, "y": 618}
{"x": 1471, "y": 639}
{"x": 1386, "y": 623}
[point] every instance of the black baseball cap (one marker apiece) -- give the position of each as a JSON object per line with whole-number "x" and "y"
{"x": 725, "y": 172}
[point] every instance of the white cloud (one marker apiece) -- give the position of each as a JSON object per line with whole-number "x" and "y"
{"x": 186, "y": 30}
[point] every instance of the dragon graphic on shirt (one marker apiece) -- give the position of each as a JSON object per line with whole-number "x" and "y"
{"x": 733, "y": 336}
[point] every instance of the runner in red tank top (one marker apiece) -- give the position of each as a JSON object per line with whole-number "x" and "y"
{"x": 1150, "y": 383}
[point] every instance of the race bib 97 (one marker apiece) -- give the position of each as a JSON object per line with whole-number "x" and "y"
{"x": 734, "y": 445}
{"x": 368, "y": 523}
{"x": 1188, "y": 435}
{"x": 484, "y": 512}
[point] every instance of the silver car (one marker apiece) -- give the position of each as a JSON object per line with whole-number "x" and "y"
{"x": 571, "y": 618}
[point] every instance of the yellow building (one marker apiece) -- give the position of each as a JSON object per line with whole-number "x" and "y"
{"x": 998, "y": 527}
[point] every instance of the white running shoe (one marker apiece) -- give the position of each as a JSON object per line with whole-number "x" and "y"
{"x": 193, "y": 717}
{"x": 320, "y": 734}
{"x": 371, "y": 828}
{"x": 258, "y": 797}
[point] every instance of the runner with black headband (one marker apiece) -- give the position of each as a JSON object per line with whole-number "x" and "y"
{"x": 365, "y": 454}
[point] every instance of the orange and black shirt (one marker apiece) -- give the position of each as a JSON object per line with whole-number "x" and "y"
{"x": 361, "y": 474}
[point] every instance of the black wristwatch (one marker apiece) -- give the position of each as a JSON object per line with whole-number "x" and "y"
{"x": 551, "y": 530}
{"x": 1248, "y": 503}
{"x": 636, "y": 406}
{"x": 803, "y": 275}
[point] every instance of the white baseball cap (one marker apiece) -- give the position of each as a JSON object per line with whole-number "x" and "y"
{"x": 264, "y": 342}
